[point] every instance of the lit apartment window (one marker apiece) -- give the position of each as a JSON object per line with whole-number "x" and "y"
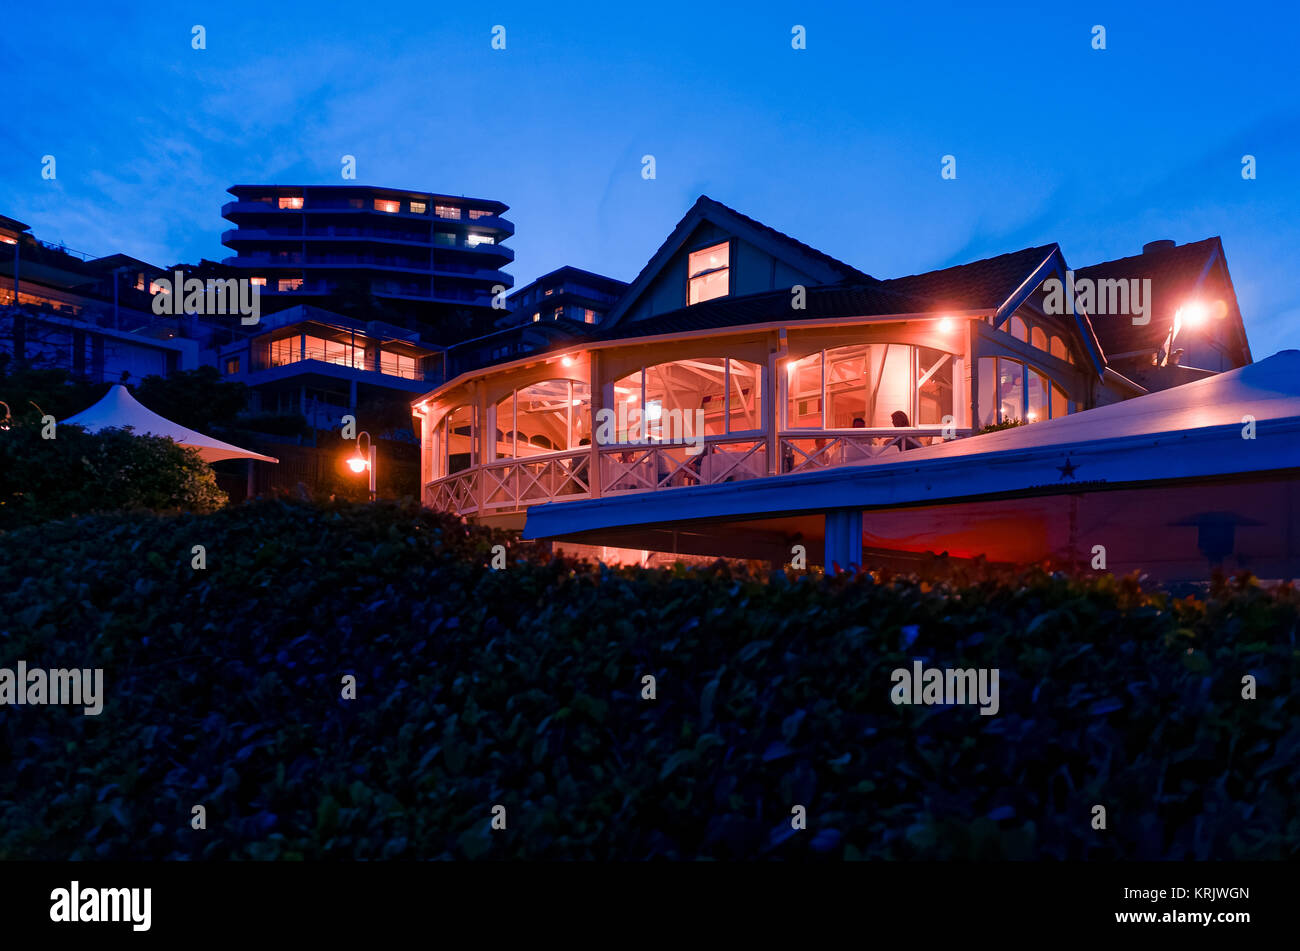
{"x": 475, "y": 214}
{"x": 549, "y": 291}
{"x": 447, "y": 211}
{"x": 536, "y": 317}
{"x": 588, "y": 316}
{"x": 259, "y": 281}
{"x": 397, "y": 364}
{"x": 391, "y": 207}
{"x": 232, "y": 365}
{"x": 290, "y": 283}
{"x": 709, "y": 271}
{"x": 473, "y": 240}
{"x": 559, "y": 312}
{"x": 8, "y": 240}
{"x": 155, "y": 287}
{"x": 290, "y": 201}
{"x": 418, "y": 207}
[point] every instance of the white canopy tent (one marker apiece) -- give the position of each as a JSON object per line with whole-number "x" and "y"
{"x": 119, "y": 409}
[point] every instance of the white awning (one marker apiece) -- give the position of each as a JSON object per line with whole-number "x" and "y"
{"x": 119, "y": 409}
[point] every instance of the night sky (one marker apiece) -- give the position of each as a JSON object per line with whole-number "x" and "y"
{"x": 839, "y": 145}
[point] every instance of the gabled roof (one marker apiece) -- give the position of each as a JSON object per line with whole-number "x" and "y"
{"x": 1177, "y": 273}
{"x": 827, "y": 269}
{"x": 977, "y": 285}
{"x": 1002, "y": 284}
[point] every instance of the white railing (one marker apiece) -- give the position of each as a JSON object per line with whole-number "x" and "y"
{"x": 509, "y": 485}
{"x": 666, "y": 466}
{"x": 519, "y": 483}
{"x": 802, "y": 452}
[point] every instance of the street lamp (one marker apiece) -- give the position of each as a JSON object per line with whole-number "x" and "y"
{"x": 360, "y": 463}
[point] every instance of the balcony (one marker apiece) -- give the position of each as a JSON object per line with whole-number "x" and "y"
{"x": 318, "y": 355}
{"x": 512, "y": 485}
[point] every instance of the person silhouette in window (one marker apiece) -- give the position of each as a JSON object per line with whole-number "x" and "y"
{"x": 900, "y": 421}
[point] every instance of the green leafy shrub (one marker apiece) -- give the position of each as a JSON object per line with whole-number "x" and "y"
{"x": 522, "y": 687}
{"x": 77, "y": 473}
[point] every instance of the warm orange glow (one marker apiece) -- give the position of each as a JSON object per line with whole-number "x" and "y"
{"x": 568, "y": 361}
{"x": 392, "y": 207}
{"x": 357, "y": 464}
{"x": 289, "y": 201}
{"x": 5, "y": 239}
{"x": 259, "y": 281}
{"x": 1192, "y": 314}
{"x": 946, "y": 324}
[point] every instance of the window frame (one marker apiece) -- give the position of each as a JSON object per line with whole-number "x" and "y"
{"x": 706, "y": 246}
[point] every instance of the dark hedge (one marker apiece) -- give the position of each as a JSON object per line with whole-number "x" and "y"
{"x": 521, "y": 687}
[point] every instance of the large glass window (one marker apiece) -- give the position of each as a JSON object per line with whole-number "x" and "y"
{"x": 1009, "y": 390}
{"x": 455, "y": 439}
{"x": 551, "y": 416}
{"x": 876, "y": 386}
{"x": 664, "y": 397}
{"x": 709, "y": 271}
{"x": 1037, "y": 407}
{"x": 1060, "y": 403}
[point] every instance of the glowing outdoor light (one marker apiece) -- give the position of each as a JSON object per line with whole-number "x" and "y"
{"x": 1192, "y": 315}
{"x": 945, "y": 325}
{"x": 568, "y": 361}
{"x": 360, "y": 463}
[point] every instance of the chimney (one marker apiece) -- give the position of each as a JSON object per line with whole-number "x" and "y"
{"x": 1164, "y": 244}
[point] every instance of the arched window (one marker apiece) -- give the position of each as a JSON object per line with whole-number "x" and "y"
{"x": 1010, "y": 390}
{"x": 1059, "y": 349}
{"x": 724, "y": 392}
{"x": 868, "y": 386}
{"x": 550, "y": 416}
{"x": 1038, "y": 337}
{"x": 1018, "y": 329}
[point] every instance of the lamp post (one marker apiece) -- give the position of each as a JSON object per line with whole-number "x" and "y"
{"x": 360, "y": 463}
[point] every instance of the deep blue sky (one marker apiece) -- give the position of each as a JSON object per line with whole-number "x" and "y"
{"x": 838, "y": 145}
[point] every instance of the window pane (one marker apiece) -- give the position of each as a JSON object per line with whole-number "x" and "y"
{"x": 460, "y": 439}
{"x": 709, "y": 286}
{"x": 746, "y": 405}
{"x": 1011, "y": 390}
{"x": 1059, "y": 349}
{"x": 542, "y": 417}
{"x": 892, "y": 386}
{"x": 1039, "y": 338}
{"x": 675, "y": 392}
{"x": 935, "y": 394}
{"x": 1038, "y": 396}
{"x": 505, "y": 434}
{"x": 848, "y": 374}
{"x": 1060, "y": 402}
{"x": 708, "y": 270}
{"x": 627, "y": 407}
{"x": 709, "y": 259}
{"x": 988, "y": 400}
{"x": 1016, "y": 327}
{"x": 580, "y": 414}
{"x": 804, "y": 393}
